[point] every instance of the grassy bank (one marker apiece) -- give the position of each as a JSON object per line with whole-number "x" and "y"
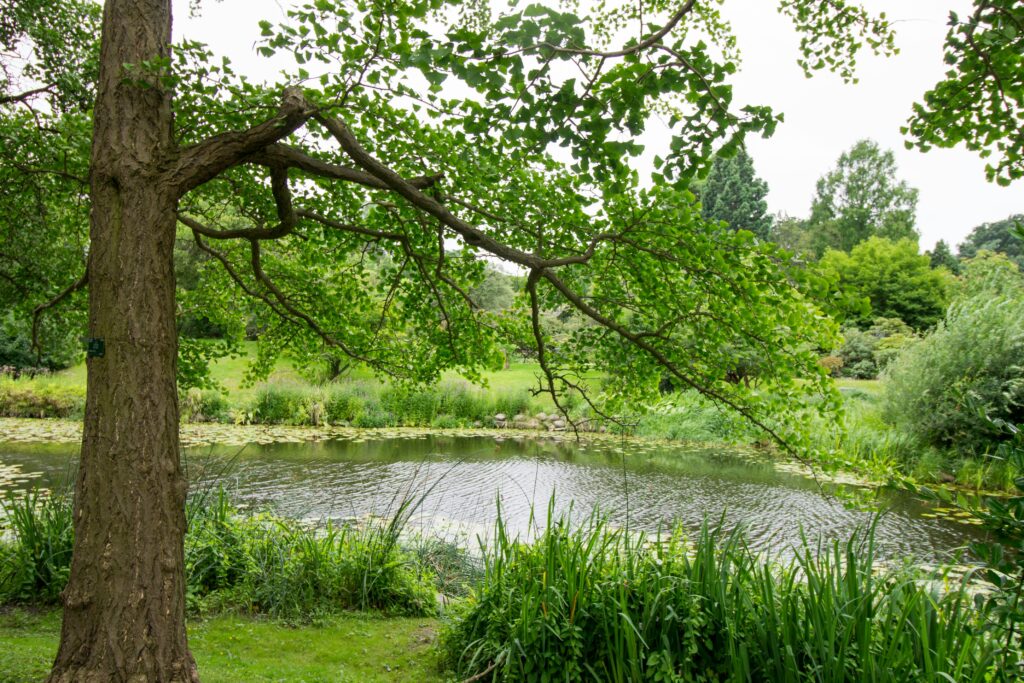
{"x": 345, "y": 648}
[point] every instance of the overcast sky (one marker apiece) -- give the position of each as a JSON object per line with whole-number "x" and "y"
{"x": 824, "y": 116}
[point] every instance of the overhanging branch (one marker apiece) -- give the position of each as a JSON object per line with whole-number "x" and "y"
{"x": 206, "y": 160}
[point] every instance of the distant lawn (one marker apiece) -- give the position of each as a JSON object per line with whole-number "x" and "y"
{"x": 229, "y": 372}
{"x": 519, "y": 377}
{"x": 868, "y": 386}
{"x": 228, "y": 649}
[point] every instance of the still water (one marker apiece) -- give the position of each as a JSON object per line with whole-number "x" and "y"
{"x": 458, "y": 481}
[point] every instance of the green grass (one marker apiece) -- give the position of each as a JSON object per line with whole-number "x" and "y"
{"x": 229, "y": 648}
{"x": 869, "y": 386}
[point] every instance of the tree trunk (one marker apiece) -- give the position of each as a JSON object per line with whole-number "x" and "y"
{"x": 124, "y": 606}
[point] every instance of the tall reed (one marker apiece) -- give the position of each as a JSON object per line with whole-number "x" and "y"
{"x": 598, "y": 603}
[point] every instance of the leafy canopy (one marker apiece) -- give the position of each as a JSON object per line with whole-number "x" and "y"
{"x": 998, "y": 236}
{"x": 896, "y": 280}
{"x": 980, "y": 102}
{"x": 861, "y": 198}
{"x": 420, "y": 136}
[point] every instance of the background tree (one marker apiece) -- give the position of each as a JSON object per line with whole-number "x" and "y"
{"x": 793, "y": 234}
{"x": 980, "y": 102}
{"x": 999, "y": 236}
{"x": 322, "y": 178}
{"x": 733, "y": 193}
{"x": 46, "y": 75}
{"x": 942, "y": 257}
{"x": 896, "y": 280}
{"x": 862, "y": 198}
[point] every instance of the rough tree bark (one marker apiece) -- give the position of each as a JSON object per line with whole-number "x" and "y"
{"x": 124, "y": 616}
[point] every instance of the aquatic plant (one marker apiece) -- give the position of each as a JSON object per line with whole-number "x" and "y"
{"x": 595, "y": 602}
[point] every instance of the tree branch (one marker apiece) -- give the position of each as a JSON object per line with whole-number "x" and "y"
{"x": 652, "y": 39}
{"x": 280, "y": 154}
{"x": 38, "y": 311}
{"x": 426, "y": 203}
{"x": 24, "y": 96}
{"x": 206, "y": 160}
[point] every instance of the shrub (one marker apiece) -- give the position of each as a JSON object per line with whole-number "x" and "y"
{"x": 198, "y": 405}
{"x": 972, "y": 366}
{"x": 834, "y": 364}
{"x": 281, "y": 404}
{"x": 866, "y": 353}
{"x": 19, "y": 398}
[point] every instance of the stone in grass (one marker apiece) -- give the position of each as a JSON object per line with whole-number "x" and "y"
{"x": 541, "y": 416}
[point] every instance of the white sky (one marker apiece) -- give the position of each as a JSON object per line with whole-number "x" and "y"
{"x": 824, "y": 116}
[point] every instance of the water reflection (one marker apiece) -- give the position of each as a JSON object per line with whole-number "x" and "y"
{"x": 459, "y": 480}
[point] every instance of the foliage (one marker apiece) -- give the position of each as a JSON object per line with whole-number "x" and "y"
{"x": 19, "y": 398}
{"x": 1003, "y": 518}
{"x": 971, "y": 362}
{"x": 896, "y": 280}
{"x": 600, "y": 603}
{"x": 57, "y": 46}
{"x": 861, "y": 198}
{"x": 942, "y": 257}
{"x": 16, "y": 346}
{"x": 734, "y": 194}
{"x": 980, "y": 100}
{"x": 999, "y": 236}
{"x": 35, "y": 567}
{"x": 259, "y": 563}
{"x": 991, "y": 273}
{"x": 866, "y": 353}
{"x": 687, "y": 416}
{"x": 794, "y": 235}
{"x": 496, "y": 291}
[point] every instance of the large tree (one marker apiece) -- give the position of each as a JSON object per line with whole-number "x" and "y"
{"x": 861, "y": 198}
{"x": 429, "y": 126}
{"x": 734, "y": 194}
{"x": 998, "y": 236}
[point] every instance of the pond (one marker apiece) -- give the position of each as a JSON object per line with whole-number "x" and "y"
{"x": 458, "y": 480}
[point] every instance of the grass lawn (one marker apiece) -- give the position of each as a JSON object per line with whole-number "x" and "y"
{"x": 231, "y": 648}
{"x": 519, "y": 377}
{"x": 229, "y": 372}
{"x": 868, "y": 386}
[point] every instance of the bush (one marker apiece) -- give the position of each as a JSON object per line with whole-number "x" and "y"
{"x": 866, "y": 353}
{"x": 688, "y": 416}
{"x": 834, "y": 364}
{"x": 258, "y": 563}
{"x": 19, "y": 398}
{"x": 198, "y": 405}
{"x": 970, "y": 367}
{"x": 598, "y": 604}
{"x": 281, "y": 404}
